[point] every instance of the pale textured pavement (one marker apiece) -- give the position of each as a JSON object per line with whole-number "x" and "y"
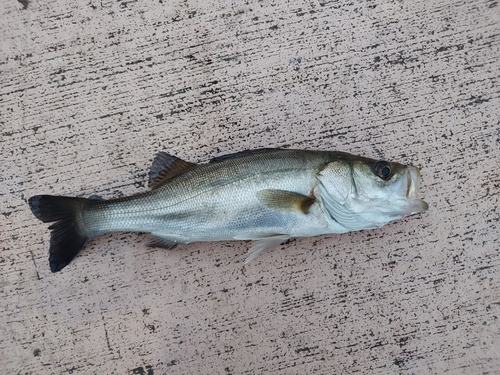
{"x": 91, "y": 90}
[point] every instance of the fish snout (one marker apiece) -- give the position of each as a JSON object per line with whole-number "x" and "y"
{"x": 413, "y": 182}
{"x": 407, "y": 187}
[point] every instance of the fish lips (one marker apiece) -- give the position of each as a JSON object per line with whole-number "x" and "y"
{"x": 407, "y": 188}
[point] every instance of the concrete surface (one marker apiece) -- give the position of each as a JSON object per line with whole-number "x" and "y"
{"x": 91, "y": 90}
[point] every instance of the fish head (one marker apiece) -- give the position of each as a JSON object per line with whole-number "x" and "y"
{"x": 362, "y": 193}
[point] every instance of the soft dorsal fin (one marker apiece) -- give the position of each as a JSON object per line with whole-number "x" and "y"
{"x": 165, "y": 167}
{"x": 285, "y": 200}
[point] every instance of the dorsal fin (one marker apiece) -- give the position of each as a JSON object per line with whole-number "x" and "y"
{"x": 242, "y": 153}
{"x": 165, "y": 167}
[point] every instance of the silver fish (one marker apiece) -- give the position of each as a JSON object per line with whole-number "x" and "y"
{"x": 267, "y": 195}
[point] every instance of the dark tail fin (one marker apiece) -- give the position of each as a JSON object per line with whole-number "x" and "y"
{"x": 68, "y": 235}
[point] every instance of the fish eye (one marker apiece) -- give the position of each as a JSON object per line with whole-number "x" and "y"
{"x": 383, "y": 170}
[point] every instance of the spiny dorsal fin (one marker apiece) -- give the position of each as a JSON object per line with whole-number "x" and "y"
{"x": 240, "y": 154}
{"x": 165, "y": 167}
{"x": 285, "y": 200}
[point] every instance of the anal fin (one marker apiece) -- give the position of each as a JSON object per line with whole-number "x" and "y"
{"x": 163, "y": 242}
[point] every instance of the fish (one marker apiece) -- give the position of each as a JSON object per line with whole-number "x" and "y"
{"x": 265, "y": 195}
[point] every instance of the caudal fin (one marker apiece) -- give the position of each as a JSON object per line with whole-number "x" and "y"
{"x": 68, "y": 234}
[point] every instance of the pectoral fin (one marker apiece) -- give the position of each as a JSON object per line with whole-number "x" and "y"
{"x": 285, "y": 200}
{"x": 165, "y": 167}
{"x": 261, "y": 246}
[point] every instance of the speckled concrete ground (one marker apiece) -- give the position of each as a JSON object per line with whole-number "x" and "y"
{"x": 91, "y": 90}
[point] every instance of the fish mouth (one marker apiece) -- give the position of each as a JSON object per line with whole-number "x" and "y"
{"x": 407, "y": 186}
{"x": 413, "y": 178}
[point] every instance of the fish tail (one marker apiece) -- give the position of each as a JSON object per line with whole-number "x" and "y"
{"x": 68, "y": 234}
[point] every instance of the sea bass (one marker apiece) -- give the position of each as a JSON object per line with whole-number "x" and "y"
{"x": 266, "y": 195}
